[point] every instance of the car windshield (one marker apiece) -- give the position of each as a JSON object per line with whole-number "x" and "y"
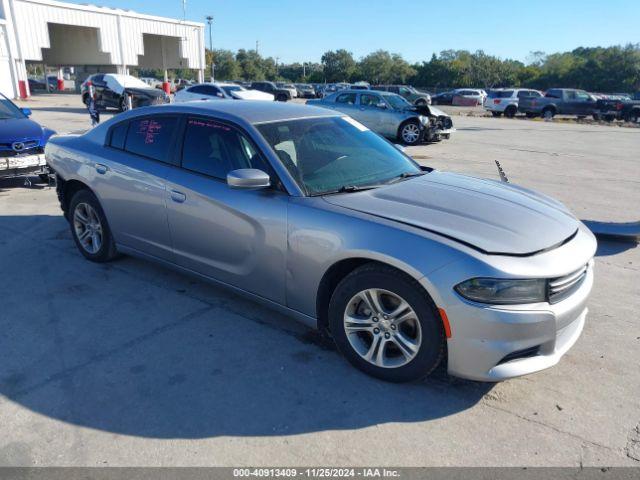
{"x": 9, "y": 110}
{"x": 333, "y": 154}
{"x": 397, "y": 102}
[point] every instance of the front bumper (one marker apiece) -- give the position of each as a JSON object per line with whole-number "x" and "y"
{"x": 17, "y": 166}
{"x": 497, "y": 342}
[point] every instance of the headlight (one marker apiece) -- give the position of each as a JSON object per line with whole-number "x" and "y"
{"x": 502, "y": 291}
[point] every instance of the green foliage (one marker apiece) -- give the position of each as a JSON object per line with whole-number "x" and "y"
{"x": 611, "y": 69}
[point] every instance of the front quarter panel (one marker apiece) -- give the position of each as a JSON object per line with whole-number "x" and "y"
{"x": 321, "y": 234}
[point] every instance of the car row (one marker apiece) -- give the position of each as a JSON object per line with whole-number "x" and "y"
{"x": 390, "y": 115}
{"x": 308, "y": 211}
{"x": 460, "y": 96}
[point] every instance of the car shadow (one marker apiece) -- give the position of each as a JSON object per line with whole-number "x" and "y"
{"x": 614, "y": 237}
{"x": 26, "y": 182}
{"x": 135, "y": 348}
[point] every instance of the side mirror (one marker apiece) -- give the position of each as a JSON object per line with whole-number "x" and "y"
{"x": 26, "y": 111}
{"x": 248, "y": 178}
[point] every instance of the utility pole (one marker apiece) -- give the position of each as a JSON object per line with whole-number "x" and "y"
{"x": 257, "y": 44}
{"x": 213, "y": 65}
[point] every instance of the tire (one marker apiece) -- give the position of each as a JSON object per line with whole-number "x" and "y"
{"x": 86, "y": 215}
{"x": 85, "y": 100}
{"x": 122, "y": 106}
{"x": 410, "y": 132}
{"x": 596, "y": 117}
{"x": 548, "y": 113}
{"x": 281, "y": 97}
{"x": 609, "y": 118}
{"x": 44, "y": 177}
{"x": 510, "y": 111}
{"x": 634, "y": 116}
{"x": 496, "y": 114}
{"x": 421, "y": 332}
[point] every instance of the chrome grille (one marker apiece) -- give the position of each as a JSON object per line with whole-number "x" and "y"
{"x": 561, "y": 287}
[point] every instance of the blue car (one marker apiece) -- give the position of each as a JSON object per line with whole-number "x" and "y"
{"x": 22, "y": 142}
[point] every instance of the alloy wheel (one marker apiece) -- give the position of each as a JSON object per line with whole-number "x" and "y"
{"x": 410, "y": 133}
{"x": 88, "y": 228}
{"x": 382, "y": 328}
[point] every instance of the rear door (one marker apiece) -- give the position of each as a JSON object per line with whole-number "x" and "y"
{"x": 130, "y": 180}
{"x": 236, "y": 236}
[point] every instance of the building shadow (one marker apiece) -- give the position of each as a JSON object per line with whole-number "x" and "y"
{"x": 134, "y": 348}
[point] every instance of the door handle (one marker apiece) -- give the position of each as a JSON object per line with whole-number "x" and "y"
{"x": 178, "y": 196}
{"x": 101, "y": 169}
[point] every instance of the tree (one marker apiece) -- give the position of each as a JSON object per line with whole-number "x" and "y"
{"x": 226, "y": 66}
{"x": 338, "y": 66}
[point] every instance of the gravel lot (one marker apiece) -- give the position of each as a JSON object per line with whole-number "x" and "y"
{"x": 132, "y": 364}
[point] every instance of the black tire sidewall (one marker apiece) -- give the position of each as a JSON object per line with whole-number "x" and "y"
{"x": 510, "y": 112}
{"x": 107, "y": 250}
{"x": 433, "y": 337}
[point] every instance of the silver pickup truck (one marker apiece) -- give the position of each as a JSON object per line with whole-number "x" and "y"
{"x": 559, "y": 101}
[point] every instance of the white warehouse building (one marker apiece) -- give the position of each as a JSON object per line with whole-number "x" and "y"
{"x": 59, "y": 34}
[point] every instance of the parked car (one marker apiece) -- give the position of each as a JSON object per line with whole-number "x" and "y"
{"x": 39, "y": 84}
{"x": 288, "y": 86}
{"x": 563, "y": 101}
{"x": 391, "y": 115}
{"x": 615, "y": 107}
{"x": 213, "y": 91}
{"x": 305, "y": 90}
{"x": 443, "y": 98}
{"x": 360, "y": 86}
{"x": 408, "y": 92}
{"x": 280, "y": 94}
{"x": 478, "y": 95}
{"x": 505, "y": 100}
{"x": 111, "y": 90}
{"x": 305, "y": 210}
{"x": 22, "y": 142}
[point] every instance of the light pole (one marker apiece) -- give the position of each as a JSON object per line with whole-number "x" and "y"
{"x": 213, "y": 65}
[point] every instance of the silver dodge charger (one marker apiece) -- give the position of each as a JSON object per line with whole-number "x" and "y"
{"x": 308, "y": 211}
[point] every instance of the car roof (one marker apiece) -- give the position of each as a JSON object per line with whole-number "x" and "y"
{"x": 365, "y": 92}
{"x": 246, "y": 111}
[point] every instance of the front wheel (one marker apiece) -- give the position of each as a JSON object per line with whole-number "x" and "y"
{"x": 410, "y": 132}
{"x": 281, "y": 97}
{"x": 90, "y": 229}
{"x": 548, "y": 113}
{"x": 384, "y": 323}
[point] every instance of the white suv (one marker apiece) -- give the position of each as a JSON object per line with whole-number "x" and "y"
{"x": 505, "y": 100}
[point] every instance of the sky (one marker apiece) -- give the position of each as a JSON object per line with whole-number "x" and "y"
{"x": 296, "y": 31}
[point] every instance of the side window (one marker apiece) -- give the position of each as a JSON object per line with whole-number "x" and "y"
{"x": 523, "y": 94}
{"x": 151, "y": 137}
{"x": 199, "y": 90}
{"x": 348, "y": 98}
{"x": 535, "y": 94}
{"x": 395, "y": 90}
{"x": 214, "y": 148}
{"x": 554, "y": 94}
{"x": 367, "y": 100}
{"x": 119, "y": 135}
{"x": 570, "y": 95}
{"x": 404, "y": 91}
{"x": 582, "y": 96}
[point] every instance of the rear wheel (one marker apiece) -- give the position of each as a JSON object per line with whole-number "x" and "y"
{"x": 409, "y": 132}
{"x": 548, "y": 113}
{"x": 281, "y": 97}
{"x": 634, "y": 116}
{"x": 90, "y": 229}
{"x": 385, "y": 324}
{"x": 510, "y": 111}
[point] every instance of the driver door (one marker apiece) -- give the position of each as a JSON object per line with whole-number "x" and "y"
{"x": 236, "y": 236}
{"x": 372, "y": 114}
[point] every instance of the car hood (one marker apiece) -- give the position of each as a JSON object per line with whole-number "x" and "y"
{"x": 490, "y": 216}
{"x": 18, "y": 129}
{"x": 251, "y": 95}
{"x": 427, "y": 110}
{"x": 145, "y": 92}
